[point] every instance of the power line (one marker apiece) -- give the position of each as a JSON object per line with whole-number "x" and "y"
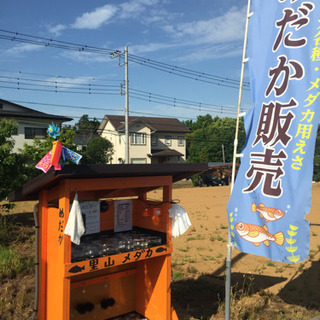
{"x": 175, "y": 102}
{"x": 62, "y": 86}
{"x": 56, "y": 91}
{"x": 49, "y": 42}
{"x": 160, "y": 66}
{"x": 190, "y": 74}
{"x": 61, "y": 82}
{"x": 95, "y": 108}
{"x": 65, "y": 106}
{"x": 58, "y": 76}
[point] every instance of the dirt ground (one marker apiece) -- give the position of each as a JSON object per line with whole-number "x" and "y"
{"x": 200, "y": 254}
{"x": 261, "y": 289}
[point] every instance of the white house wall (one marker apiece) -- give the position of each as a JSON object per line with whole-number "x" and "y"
{"x": 111, "y": 134}
{"x": 161, "y": 144}
{"x": 140, "y": 152}
{"x": 19, "y": 138}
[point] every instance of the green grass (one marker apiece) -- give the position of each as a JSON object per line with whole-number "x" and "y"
{"x": 279, "y": 269}
{"x": 270, "y": 264}
{"x": 6, "y": 229}
{"x": 192, "y": 269}
{"x": 206, "y": 258}
{"x": 12, "y": 264}
{"x": 186, "y": 249}
{"x": 197, "y": 237}
{"x": 177, "y": 275}
{"x": 218, "y": 238}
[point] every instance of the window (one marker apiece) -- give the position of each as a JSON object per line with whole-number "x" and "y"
{"x": 181, "y": 141}
{"x": 138, "y": 161}
{"x": 154, "y": 140}
{"x": 138, "y": 138}
{"x": 168, "y": 140}
{"x": 38, "y": 133}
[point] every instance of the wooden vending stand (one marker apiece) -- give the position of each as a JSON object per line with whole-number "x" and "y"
{"x": 104, "y": 284}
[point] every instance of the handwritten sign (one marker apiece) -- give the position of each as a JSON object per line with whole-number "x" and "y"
{"x": 123, "y": 215}
{"x": 91, "y": 212}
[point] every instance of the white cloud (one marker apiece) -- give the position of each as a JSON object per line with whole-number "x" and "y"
{"x": 134, "y": 8}
{"x": 229, "y": 27}
{"x": 56, "y": 30}
{"x": 213, "y": 52}
{"x": 67, "y": 83}
{"x": 95, "y": 19}
{"x": 86, "y": 57}
{"x": 151, "y": 47}
{"x": 21, "y": 48}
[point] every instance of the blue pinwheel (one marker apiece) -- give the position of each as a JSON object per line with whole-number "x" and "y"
{"x": 53, "y": 131}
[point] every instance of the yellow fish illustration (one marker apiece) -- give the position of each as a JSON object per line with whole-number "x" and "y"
{"x": 257, "y": 234}
{"x": 267, "y": 213}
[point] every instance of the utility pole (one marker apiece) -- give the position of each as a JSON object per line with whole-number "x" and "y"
{"x": 126, "y": 102}
{"x": 223, "y": 157}
{"x": 126, "y": 93}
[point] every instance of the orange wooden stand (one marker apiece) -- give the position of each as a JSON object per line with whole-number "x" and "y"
{"x": 137, "y": 280}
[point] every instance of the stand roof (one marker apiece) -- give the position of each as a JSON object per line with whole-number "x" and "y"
{"x": 31, "y": 189}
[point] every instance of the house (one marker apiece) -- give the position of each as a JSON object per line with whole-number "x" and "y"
{"x": 151, "y": 140}
{"x": 31, "y": 123}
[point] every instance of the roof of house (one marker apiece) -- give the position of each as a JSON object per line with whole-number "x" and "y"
{"x": 155, "y": 124}
{"x": 165, "y": 153}
{"x": 28, "y": 113}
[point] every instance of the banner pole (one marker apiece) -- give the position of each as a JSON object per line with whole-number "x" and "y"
{"x": 235, "y": 155}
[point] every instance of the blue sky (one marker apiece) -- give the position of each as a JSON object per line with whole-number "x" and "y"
{"x": 203, "y": 36}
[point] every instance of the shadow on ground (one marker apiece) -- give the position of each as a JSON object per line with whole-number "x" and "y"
{"x": 303, "y": 289}
{"x": 201, "y": 297}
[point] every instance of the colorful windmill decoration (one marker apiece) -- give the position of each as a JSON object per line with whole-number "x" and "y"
{"x": 53, "y": 156}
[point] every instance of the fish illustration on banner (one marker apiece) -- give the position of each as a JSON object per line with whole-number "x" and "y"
{"x": 272, "y": 190}
{"x": 53, "y": 156}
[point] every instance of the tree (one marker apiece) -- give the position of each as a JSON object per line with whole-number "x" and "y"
{"x": 11, "y": 164}
{"x": 211, "y": 137}
{"x": 99, "y": 150}
{"x": 86, "y": 129}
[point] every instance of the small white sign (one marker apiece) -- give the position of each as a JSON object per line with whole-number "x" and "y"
{"x": 91, "y": 212}
{"x": 122, "y": 215}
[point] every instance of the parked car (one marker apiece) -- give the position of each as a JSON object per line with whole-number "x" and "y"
{"x": 211, "y": 181}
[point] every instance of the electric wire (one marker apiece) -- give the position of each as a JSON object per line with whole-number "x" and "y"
{"x": 198, "y": 76}
{"x": 164, "y": 67}
{"x": 143, "y": 113}
{"x": 91, "y": 88}
{"x": 65, "y": 106}
{"x": 60, "y": 82}
{"x": 57, "y": 76}
{"x": 49, "y": 42}
{"x": 56, "y": 91}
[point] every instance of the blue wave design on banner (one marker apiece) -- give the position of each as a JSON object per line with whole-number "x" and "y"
{"x": 272, "y": 191}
